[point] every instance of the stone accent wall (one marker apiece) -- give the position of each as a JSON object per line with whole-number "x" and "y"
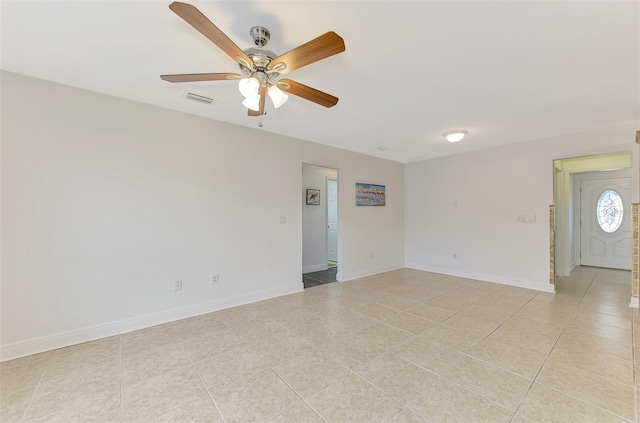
{"x": 552, "y": 244}
{"x": 635, "y": 240}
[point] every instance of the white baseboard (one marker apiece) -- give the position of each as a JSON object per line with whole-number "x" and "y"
{"x": 635, "y": 302}
{"x": 520, "y": 283}
{"x": 65, "y": 339}
{"x": 315, "y": 268}
{"x": 343, "y": 277}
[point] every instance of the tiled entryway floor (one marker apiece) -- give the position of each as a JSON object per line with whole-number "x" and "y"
{"x": 404, "y": 346}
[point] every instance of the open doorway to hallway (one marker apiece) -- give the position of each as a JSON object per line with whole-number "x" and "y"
{"x": 568, "y": 180}
{"x": 320, "y": 225}
{"x": 593, "y": 213}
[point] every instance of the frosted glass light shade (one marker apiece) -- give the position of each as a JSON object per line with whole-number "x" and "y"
{"x": 277, "y": 96}
{"x": 249, "y": 86}
{"x": 454, "y": 136}
{"x": 252, "y": 103}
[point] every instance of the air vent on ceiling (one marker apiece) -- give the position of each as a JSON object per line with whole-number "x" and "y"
{"x": 199, "y": 98}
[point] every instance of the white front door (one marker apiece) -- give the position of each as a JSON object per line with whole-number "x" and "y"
{"x": 605, "y": 234}
{"x": 332, "y": 219}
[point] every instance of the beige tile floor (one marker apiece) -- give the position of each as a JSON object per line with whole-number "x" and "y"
{"x": 405, "y": 346}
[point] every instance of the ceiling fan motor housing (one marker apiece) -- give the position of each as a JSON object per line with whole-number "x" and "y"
{"x": 261, "y": 57}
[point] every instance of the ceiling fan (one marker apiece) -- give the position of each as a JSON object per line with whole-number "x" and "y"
{"x": 260, "y": 67}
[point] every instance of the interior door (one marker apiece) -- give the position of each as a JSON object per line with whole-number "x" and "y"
{"x": 332, "y": 219}
{"x": 605, "y": 230}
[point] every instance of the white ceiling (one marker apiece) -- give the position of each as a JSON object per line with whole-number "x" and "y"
{"x": 506, "y": 71}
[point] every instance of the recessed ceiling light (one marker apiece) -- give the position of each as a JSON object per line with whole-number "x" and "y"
{"x": 383, "y": 148}
{"x": 454, "y": 136}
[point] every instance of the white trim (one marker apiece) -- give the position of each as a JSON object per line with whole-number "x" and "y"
{"x": 315, "y": 268}
{"x": 343, "y": 277}
{"x": 635, "y": 302}
{"x": 521, "y": 283}
{"x": 65, "y": 339}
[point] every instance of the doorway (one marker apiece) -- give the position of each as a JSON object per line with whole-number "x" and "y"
{"x": 605, "y": 222}
{"x": 567, "y": 247}
{"x": 566, "y": 201}
{"x": 320, "y": 225}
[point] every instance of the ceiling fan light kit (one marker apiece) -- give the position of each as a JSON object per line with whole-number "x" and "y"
{"x": 260, "y": 68}
{"x": 252, "y": 103}
{"x": 249, "y": 86}
{"x": 277, "y": 97}
{"x": 455, "y": 136}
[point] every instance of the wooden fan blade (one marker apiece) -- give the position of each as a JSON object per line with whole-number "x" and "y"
{"x": 317, "y": 49}
{"x": 196, "y": 19}
{"x": 308, "y": 93}
{"x": 195, "y": 77}
{"x": 263, "y": 97}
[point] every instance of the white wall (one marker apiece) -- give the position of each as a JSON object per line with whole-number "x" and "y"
{"x": 106, "y": 202}
{"x": 491, "y": 188}
{"x": 314, "y": 218}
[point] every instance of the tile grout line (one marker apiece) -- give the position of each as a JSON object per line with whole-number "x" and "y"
{"x": 388, "y": 349}
{"x": 442, "y": 375}
{"x": 419, "y": 302}
{"x": 633, "y": 358}
{"x": 121, "y": 391}
{"x": 483, "y": 339}
{"x": 475, "y": 393}
{"x": 463, "y": 353}
{"x": 195, "y": 368}
{"x": 352, "y": 371}
{"x": 35, "y": 390}
{"x": 533, "y": 381}
{"x": 551, "y": 351}
{"x": 604, "y": 410}
{"x": 300, "y": 396}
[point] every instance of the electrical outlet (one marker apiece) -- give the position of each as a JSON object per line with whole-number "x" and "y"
{"x": 215, "y": 279}
{"x": 178, "y": 286}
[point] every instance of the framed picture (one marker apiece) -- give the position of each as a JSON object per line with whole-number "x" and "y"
{"x": 313, "y": 197}
{"x": 370, "y": 195}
